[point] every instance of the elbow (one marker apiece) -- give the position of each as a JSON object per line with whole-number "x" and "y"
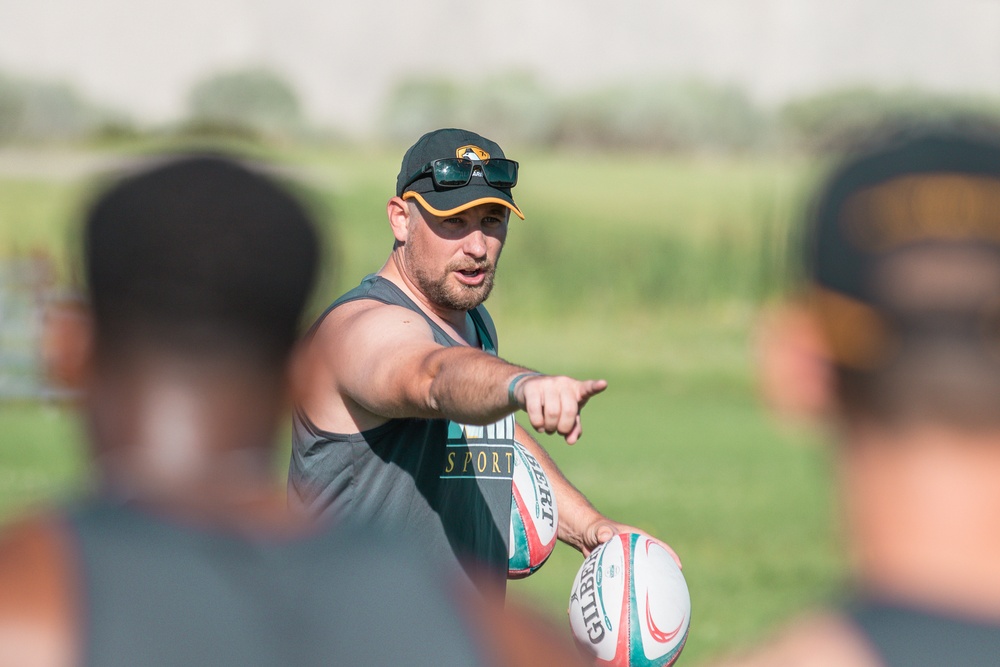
{"x": 431, "y": 389}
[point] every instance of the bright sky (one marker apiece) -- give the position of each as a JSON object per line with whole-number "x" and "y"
{"x": 143, "y": 55}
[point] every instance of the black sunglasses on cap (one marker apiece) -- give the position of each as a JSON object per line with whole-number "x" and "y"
{"x": 455, "y": 172}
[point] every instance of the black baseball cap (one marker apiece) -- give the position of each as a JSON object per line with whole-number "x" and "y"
{"x": 903, "y": 246}
{"x": 451, "y": 143}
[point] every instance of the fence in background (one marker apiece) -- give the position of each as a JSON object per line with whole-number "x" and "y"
{"x": 27, "y": 285}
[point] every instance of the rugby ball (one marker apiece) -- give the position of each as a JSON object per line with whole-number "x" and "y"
{"x": 630, "y": 604}
{"x": 534, "y": 517}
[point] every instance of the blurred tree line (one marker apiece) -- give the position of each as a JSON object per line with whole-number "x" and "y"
{"x": 255, "y": 103}
{"x": 47, "y": 111}
{"x": 668, "y": 115}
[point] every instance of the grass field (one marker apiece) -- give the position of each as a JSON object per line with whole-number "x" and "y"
{"x": 646, "y": 271}
{"x": 678, "y": 446}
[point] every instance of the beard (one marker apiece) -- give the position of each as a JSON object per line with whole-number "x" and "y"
{"x": 450, "y": 294}
{"x": 438, "y": 286}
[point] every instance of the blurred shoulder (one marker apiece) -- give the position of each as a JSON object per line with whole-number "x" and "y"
{"x": 818, "y": 640}
{"x": 516, "y": 635}
{"x": 37, "y": 593}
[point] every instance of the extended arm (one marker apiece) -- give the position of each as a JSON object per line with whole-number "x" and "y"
{"x": 384, "y": 360}
{"x": 581, "y": 525}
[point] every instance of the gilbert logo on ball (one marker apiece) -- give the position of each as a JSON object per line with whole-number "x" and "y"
{"x": 534, "y": 518}
{"x": 630, "y": 604}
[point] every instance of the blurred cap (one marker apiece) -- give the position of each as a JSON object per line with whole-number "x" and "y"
{"x": 444, "y": 143}
{"x": 903, "y": 248}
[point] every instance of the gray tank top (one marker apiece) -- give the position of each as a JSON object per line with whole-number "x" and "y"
{"x": 904, "y": 636}
{"x": 447, "y": 486}
{"x": 157, "y": 593}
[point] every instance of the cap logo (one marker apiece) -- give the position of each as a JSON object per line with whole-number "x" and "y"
{"x": 474, "y": 153}
{"x": 938, "y": 206}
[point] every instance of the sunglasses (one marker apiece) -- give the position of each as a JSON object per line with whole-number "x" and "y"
{"x": 454, "y": 172}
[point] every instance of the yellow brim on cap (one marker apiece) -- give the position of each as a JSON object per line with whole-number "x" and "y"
{"x": 856, "y": 332}
{"x": 467, "y": 205}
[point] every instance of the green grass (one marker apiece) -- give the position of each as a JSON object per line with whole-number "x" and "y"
{"x": 646, "y": 271}
{"x": 679, "y": 446}
{"x": 42, "y": 457}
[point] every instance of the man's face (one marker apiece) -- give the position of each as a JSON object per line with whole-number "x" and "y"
{"x": 452, "y": 260}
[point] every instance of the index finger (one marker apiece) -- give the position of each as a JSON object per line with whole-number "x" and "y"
{"x": 590, "y": 388}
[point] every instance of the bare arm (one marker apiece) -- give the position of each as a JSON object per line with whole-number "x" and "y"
{"x": 581, "y": 525}
{"x": 385, "y": 360}
{"x": 37, "y": 626}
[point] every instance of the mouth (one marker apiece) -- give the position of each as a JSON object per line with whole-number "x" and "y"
{"x": 472, "y": 277}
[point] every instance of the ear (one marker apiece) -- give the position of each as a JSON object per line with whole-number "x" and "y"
{"x": 795, "y": 372}
{"x": 67, "y": 343}
{"x": 398, "y": 211}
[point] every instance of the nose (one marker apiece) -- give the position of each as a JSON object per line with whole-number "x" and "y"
{"x": 475, "y": 244}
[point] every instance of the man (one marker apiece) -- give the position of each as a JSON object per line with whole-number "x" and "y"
{"x": 197, "y": 271}
{"x": 408, "y": 421}
{"x": 896, "y": 342}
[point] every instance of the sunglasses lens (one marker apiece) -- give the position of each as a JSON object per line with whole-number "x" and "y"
{"x": 452, "y": 172}
{"x": 456, "y": 172}
{"x": 501, "y": 173}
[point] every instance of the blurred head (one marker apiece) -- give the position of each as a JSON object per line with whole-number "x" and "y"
{"x": 449, "y": 170}
{"x": 902, "y": 261}
{"x": 199, "y": 257}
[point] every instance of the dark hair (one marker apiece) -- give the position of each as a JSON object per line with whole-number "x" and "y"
{"x": 202, "y": 255}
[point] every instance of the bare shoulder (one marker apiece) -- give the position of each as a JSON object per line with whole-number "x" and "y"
{"x": 818, "y": 640}
{"x": 360, "y": 362}
{"x": 368, "y": 321}
{"x": 37, "y": 594}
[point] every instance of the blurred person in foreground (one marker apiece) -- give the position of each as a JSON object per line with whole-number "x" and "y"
{"x": 408, "y": 421}
{"x": 197, "y": 271}
{"x": 896, "y": 344}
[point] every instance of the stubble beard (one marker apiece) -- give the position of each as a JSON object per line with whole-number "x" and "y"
{"x": 439, "y": 289}
{"x": 452, "y": 294}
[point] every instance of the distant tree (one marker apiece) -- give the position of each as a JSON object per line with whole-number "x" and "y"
{"x": 56, "y": 111}
{"x": 256, "y": 99}
{"x": 837, "y": 119}
{"x": 32, "y": 111}
{"x": 515, "y": 105}
{"x": 648, "y": 116}
{"x": 418, "y": 104}
{"x": 512, "y": 105}
{"x": 667, "y": 115}
{"x": 11, "y": 107}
